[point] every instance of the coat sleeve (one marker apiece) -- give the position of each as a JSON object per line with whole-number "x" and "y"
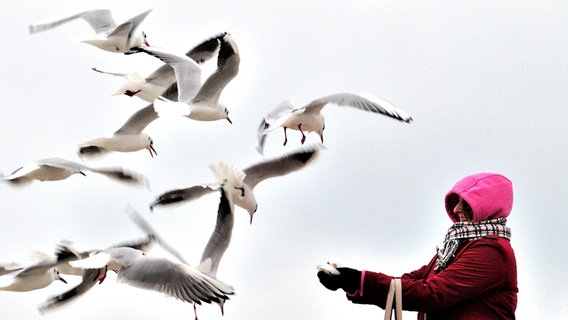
{"x": 478, "y": 268}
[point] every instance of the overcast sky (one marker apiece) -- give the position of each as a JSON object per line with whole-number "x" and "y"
{"x": 485, "y": 82}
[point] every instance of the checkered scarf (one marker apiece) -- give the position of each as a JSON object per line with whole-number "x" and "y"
{"x": 465, "y": 231}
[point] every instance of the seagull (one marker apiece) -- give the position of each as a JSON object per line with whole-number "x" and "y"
{"x": 199, "y": 101}
{"x": 54, "y": 169}
{"x": 92, "y": 276}
{"x": 117, "y": 38}
{"x": 175, "y": 279}
{"x": 157, "y": 82}
{"x": 128, "y": 138}
{"x": 309, "y": 118}
{"x": 244, "y": 181}
{"x": 36, "y": 276}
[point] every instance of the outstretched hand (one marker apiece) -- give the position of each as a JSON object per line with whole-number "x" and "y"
{"x": 348, "y": 279}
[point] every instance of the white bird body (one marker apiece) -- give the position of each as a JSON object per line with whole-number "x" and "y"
{"x": 201, "y": 101}
{"x": 111, "y": 37}
{"x": 128, "y": 138}
{"x": 25, "y": 280}
{"x": 310, "y": 119}
{"x": 36, "y": 276}
{"x": 136, "y": 85}
{"x": 121, "y": 142}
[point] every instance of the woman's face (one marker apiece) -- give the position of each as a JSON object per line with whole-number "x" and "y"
{"x": 462, "y": 210}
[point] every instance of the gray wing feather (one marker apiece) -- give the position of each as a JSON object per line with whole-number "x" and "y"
{"x": 363, "y": 102}
{"x": 281, "y": 166}
{"x": 138, "y": 121}
{"x": 182, "y": 195}
{"x": 221, "y": 236}
{"x": 228, "y": 61}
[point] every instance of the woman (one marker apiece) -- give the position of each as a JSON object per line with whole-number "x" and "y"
{"x": 473, "y": 275}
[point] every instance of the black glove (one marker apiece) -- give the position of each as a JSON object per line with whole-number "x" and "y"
{"x": 348, "y": 279}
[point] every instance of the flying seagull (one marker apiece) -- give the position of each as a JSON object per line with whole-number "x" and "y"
{"x": 115, "y": 38}
{"x": 310, "y": 119}
{"x": 245, "y": 181}
{"x": 53, "y": 169}
{"x": 36, "y": 276}
{"x": 90, "y": 277}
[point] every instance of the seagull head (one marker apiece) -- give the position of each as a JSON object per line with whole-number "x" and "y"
{"x": 58, "y": 276}
{"x": 227, "y": 115}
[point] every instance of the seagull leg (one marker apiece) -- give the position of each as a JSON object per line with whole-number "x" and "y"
{"x": 195, "y": 310}
{"x": 103, "y": 277}
{"x": 303, "y": 135}
{"x": 131, "y": 93}
{"x": 285, "y": 137}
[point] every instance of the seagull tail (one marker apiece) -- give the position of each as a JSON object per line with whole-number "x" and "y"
{"x": 226, "y": 173}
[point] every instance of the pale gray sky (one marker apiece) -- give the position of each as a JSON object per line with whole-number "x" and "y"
{"x": 485, "y": 82}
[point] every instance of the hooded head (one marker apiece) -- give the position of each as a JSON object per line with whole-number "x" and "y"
{"x": 490, "y": 196}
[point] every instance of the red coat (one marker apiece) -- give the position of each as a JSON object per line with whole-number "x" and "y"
{"x": 480, "y": 283}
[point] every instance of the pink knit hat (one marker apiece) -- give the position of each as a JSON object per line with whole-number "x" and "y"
{"x": 490, "y": 196}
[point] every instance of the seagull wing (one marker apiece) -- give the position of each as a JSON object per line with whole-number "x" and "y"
{"x": 174, "y": 279}
{"x": 187, "y": 71}
{"x": 128, "y": 27}
{"x": 100, "y": 20}
{"x": 182, "y": 195}
{"x": 95, "y": 261}
{"x": 138, "y": 120}
{"x": 281, "y": 166}
{"x": 228, "y": 61}
{"x": 151, "y": 232}
{"x": 123, "y": 175}
{"x": 221, "y": 236}
{"x": 90, "y": 277}
{"x": 363, "y": 101}
{"x": 272, "y": 120}
{"x": 205, "y": 50}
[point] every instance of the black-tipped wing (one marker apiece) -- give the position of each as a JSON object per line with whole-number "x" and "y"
{"x": 182, "y": 195}
{"x": 281, "y": 166}
{"x": 363, "y": 101}
{"x": 89, "y": 280}
{"x": 228, "y": 61}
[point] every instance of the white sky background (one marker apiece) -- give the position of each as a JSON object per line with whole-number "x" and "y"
{"x": 485, "y": 82}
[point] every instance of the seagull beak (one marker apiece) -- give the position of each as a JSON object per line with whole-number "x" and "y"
{"x": 81, "y": 172}
{"x": 251, "y": 213}
{"x": 151, "y": 149}
{"x": 62, "y": 280}
{"x": 229, "y": 119}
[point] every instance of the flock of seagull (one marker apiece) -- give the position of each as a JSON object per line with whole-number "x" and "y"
{"x": 173, "y": 88}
